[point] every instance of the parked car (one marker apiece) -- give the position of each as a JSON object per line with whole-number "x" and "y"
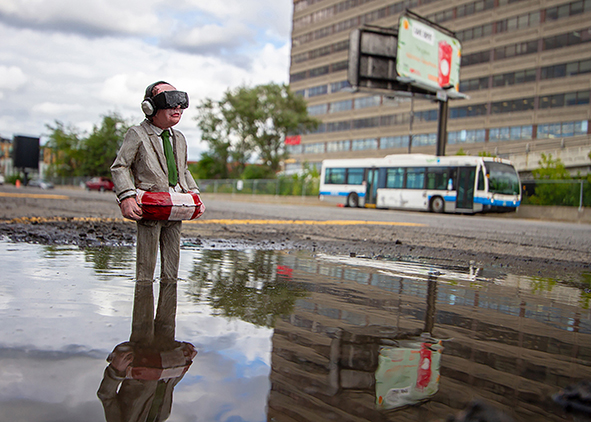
{"x": 40, "y": 183}
{"x": 100, "y": 183}
{"x": 1, "y": 179}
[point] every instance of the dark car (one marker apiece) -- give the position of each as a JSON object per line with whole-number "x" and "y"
{"x": 100, "y": 183}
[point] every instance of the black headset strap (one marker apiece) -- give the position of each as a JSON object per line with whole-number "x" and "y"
{"x": 150, "y": 89}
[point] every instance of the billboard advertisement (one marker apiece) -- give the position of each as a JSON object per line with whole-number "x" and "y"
{"x": 428, "y": 56}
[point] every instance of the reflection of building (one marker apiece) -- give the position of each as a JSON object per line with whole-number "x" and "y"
{"x": 507, "y": 346}
{"x": 525, "y": 66}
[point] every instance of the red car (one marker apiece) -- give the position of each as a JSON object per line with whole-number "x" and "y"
{"x": 100, "y": 183}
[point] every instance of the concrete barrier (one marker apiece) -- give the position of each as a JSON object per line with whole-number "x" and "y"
{"x": 550, "y": 213}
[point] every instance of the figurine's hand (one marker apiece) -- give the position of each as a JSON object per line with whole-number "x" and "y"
{"x": 130, "y": 209}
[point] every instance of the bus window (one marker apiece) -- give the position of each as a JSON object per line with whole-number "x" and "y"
{"x": 335, "y": 176}
{"x": 481, "y": 185}
{"x": 415, "y": 178}
{"x": 355, "y": 176}
{"x": 503, "y": 179}
{"x": 437, "y": 178}
{"x": 395, "y": 178}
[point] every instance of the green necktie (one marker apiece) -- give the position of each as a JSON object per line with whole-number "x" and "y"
{"x": 172, "y": 172}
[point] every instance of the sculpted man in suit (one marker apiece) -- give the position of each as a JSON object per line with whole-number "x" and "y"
{"x": 153, "y": 157}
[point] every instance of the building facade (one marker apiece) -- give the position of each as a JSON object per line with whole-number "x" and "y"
{"x": 526, "y": 67}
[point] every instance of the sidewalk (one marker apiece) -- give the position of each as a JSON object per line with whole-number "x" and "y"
{"x": 534, "y": 212}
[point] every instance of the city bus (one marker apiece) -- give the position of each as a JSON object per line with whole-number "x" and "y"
{"x": 454, "y": 184}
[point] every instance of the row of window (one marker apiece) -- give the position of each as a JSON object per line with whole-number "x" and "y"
{"x": 527, "y": 20}
{"x": 321, "y": 52}
{"x": 319, "y": 71}
{"x": 568, "y": 99}
{"x": 560, "y": 70}
{"x": 314, "y": 91}
{"x": 506, "y": 25}
{"x": 345, "y": 105}
{"x": 462, "y": 11}
{"x": 394, "y": 9}
{"x": 300, "y": 5}
{"x": 508, "y": 133}
{"x": 327, "y": 13}
{"x": 506, "y": 79}
{"x": 575, "y": 37}
{"x": 500, "y": 53}
{"x": 509, "y": 24}
{"x": 434, "y": 178}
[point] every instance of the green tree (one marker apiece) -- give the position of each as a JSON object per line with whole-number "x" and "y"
{"x": 209, "y": 167}
{"x": 214, "y": 164}
{"x": 275, "y": 111}
{"x": 64, "y": 143}
{"x": 253, "y": 121}
{"x": 75, "y": 155}
{"x": 548, "y": 193}
{"x": 254, "y": 171}
{"x": 100, "y": 148}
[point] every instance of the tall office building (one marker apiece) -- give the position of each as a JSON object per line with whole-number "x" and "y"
{"x": 526, "y": 67}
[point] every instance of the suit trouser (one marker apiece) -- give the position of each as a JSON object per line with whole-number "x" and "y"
{"x": 152, "y": 234}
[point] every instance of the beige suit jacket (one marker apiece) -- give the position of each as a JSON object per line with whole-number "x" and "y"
{"x": 141, "y": 162}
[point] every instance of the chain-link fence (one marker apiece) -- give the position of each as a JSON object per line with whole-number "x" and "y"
{"x": 298, "y": 187}
{"x": 570, "y": 193}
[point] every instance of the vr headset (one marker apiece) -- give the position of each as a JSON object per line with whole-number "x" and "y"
{"x": 164, "y": 100}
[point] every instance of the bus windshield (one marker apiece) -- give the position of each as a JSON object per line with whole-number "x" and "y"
{"x": 502, "y": 179}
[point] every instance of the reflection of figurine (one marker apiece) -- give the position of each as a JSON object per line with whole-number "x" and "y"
{"x": 142, "y": 373}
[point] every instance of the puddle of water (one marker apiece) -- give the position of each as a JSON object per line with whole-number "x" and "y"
{"x": 281, "y": 336}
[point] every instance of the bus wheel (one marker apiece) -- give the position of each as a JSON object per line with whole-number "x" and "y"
{"x": 437, "y": 204}
{"x": 353, "y": 200}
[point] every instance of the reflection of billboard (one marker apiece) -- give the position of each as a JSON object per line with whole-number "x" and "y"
{"x": 407, "y": 374}
{"x": 427, "y": 55}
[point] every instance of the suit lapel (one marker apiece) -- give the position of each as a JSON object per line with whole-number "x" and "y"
{"x": 156, "y": 143}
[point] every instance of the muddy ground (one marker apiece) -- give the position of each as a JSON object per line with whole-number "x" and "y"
{"x": 93, "y": 219}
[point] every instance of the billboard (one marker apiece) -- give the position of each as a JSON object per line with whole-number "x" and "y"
{"x": 428, "y": 55}
{"x": 25, "y": 153}
{"x": 372, "y": 58}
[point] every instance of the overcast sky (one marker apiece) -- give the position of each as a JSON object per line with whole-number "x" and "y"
{"x": 76, "y": 61}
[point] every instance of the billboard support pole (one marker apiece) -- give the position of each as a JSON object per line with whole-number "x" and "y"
{"x": 412, "y": 118}
{"x": 442, "y": 128}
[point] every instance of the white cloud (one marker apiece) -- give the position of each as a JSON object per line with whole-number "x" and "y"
{"x": 12, "y": 77}
{"x": 77, "y": 61}
{"x": 52, "y": 109}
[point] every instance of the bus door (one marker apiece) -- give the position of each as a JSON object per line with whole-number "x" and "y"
{"x": 371, "y": 187}
{"x": 465, "y": 188}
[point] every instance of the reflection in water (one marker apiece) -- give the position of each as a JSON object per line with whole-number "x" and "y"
{"x": 504, "y": 342}
{"x": 253, "y": 287}
{"x": 407, "y": 373}
{"x": 142, "y": 372}
{"x": 327, "y": 338}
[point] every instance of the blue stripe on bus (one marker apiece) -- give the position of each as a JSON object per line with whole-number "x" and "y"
{"x": 483, "y": 201}
{"x": 328, "y": 193}
{"x": 496, "y": 202}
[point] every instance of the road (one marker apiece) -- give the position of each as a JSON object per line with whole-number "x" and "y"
{"x": 524, "y": 246}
